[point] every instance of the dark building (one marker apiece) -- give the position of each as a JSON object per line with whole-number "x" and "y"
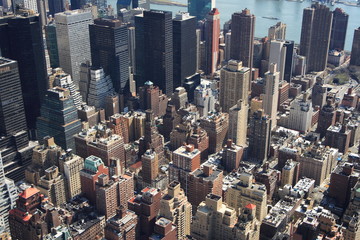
{"x": 232, "y": 155}
{"x": 56, "y": 6}
{"x": 242, "y": 37}
{"x": 315, "y": 36}
{"x": 146, "y": 206}
{"x": 154, "y": 49}
{"x": 200, "y": 8}
{"x": 326, "y": 118}
{"x": 152, "y": 139}
{"x": 25, "y": 45}
{"x": 51, "y": 43}
{"x": 342, "y": 180}
{"x": 184, "y": 47}
{"x": 59, "y": 118}
{"x": 319, "y": 93}
{"x": 338, "y": 136}
{"x": 14, "y": 142}
{"x": 338, "y": 30}
{"x": 76, "y": 4}
{"x": 355, "y": 50}
{"x": 109, "y": 50}
{"x": 259, "y": 137}
{"x": 289, "y": 45}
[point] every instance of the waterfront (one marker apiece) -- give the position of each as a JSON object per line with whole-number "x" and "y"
{"x": 289, "y": 12}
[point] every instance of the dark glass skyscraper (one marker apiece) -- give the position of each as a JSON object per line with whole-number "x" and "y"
{"x": 242, "y": 37}
{"x": 155, "y": 47}
{"x": 289, "y": 60}
{"x": 110, "y": 50}
{"x": 315, "y": 36}
{"x": 59, "y": 118}
{"x": 51, "y": 43}
{"x": 56, "y": 6}
{"x": 26, "y": 46}
{"x": 338, "y": 30}
{"x": 200, "y": 8}
{"x": 77, "y": 4}
{"x": 14, "y": 142}
{"x": 184, "y": 45}
{"x": 355, "y": 50}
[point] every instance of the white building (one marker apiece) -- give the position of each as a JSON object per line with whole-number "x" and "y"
{"x": 205, "y": 97}
{"x": 300, "y": 116}
{"x": 278, "y": 56}
{"x": 72, "y": 32}
{"x": 238, "y": 116}
{"x": 271, "y": 96}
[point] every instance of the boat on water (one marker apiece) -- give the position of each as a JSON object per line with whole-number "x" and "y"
{"x": 271, "y": 18}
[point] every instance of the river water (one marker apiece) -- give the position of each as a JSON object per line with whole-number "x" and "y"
{"x": 289, "y": 12}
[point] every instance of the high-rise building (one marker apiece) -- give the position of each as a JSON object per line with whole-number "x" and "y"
{"x": 93, "y": 168}
{"x": 278, "y": 56}
{"x": 150, "y": 166}
{"x": 216, "y": 125}
{"x": 185, "y": 160}
{"x": 152, "y": 139}
{"x": 238, "y": 121}
{"x": 146, "y": 205}
{"x": 205, "y": 96}
{"x": 51, "y": 43}
{"x": 288, "y": 71}
{"x": 232, "y": 155}
{"x": 200, "y": 8}
{"x": 271, "y": 94}
{"x": 56, "y": 6}
{"x": 213, "y": 219}
{"x": 59, "y": 118}
{"x": 8, "y": 196}
{"x": 259, "y": 137}
{"x": 211, "y": 37}
{"x": 203, "y": 181}
{"x": 184, "y": 47}
{"x": 338, "y": 136}
{"x": 200, "y": 140}
{"x": 72, "y": 32}
{"x": 175, "y": 207}
{"x": 77, "y": 4}
{"x": 326, "y": 118}
{"x": 301, "y": 113}
{"x": 242, "y": 37}
{"x": 106, "y": 196}
{"x": 277, "y": 31}
{"x": 122, "y": 226}
{"x": 152, "y": 98}
{"x": 14, "y": 148}
{"x": 154, "y": 49}
{"x": 71, "y": 165}
{"x": 355, "y": 50}
{"x": 234, "y": 84}
{"x": 244, "y": 191}
{"x": 319, "y": 93}
{"x": 23, "y": 42}
{"x": 52, "y": 185}
{"x": 315, "y": 36}
{"x": 179, "y": 98}
{"x": 338, "y": 29}
{"x": 110, "y": 51}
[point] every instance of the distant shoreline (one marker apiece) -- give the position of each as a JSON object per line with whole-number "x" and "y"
{"x": 168, "y": 2}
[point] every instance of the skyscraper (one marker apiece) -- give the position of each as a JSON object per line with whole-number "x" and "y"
{"x": 315, "y": 36}
{"x": 56, "y": 6}
{"x": 278, "y": 56}
{"x": 242, "y": 37}
{"x": 154, "y": 49}
{"x": 259, "y": 137}
{"x": 212, "y": 35}
{"x": 234, "y": 84}
{"x": 338, "y": 30}
{"x": 288, "y": 71}
{"x": 72, "y": 32}
{"x": 76, "y": 4}
{"x": 109, "y": 50}
{"x": 12, "y": 122}
{"x": 51, "y": 43}
{"x": 184, "y": 46}
{"x": 238, "y": 120}
{"x": 22, "y": 41}
{"x": 59, "y": 118}
{"x": 355, "y": 50}
{"x": 277, "y": 31}
{"x": 271, "y": 96}
{"x": 200, "y": 8}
